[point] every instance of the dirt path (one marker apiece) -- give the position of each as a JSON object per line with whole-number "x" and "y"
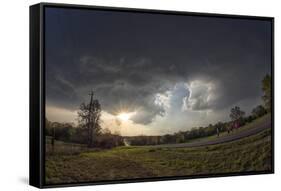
{"x": 223, "y": 139}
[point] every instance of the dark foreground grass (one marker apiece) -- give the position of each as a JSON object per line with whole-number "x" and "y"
{"x": 248, "y": 154}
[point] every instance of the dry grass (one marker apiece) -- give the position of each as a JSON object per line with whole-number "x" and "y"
{"x": 249, "y": 154}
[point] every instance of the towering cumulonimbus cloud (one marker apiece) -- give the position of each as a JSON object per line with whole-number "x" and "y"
{"x": 153, "y": 64}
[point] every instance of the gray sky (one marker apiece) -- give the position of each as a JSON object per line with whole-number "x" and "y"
{"x": 167, "y": 72}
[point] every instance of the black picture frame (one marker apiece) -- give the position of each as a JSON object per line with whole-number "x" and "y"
{"x": 37, "y": 93}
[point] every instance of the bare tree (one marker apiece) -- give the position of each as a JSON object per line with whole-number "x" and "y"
{"x": 89, "y": 117}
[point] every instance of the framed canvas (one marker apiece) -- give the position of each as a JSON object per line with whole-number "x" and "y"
{"x": 128, "y": 95}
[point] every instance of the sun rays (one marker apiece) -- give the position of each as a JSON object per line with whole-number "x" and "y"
{"x": 125, "y": 116}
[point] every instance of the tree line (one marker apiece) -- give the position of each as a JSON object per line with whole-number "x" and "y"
{"x": 89, "y": 131}
{"x": 71, "y": 133}
{"x": 197, "y": 132}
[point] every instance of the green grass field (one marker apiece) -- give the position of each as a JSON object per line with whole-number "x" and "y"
{"x": 248, "y": 154}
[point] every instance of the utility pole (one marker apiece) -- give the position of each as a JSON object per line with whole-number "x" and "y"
{"x": 90, "y": 122}
{"x": 91, "y": 101}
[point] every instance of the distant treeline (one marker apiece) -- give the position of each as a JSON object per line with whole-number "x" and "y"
{"x": 68, "y": 132}
{"x": 196, "y": 132}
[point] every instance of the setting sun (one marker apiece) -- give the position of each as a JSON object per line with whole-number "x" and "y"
{"x": 124, "y": 116}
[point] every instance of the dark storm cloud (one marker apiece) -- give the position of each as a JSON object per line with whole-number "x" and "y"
{"x": 128, "y": 58}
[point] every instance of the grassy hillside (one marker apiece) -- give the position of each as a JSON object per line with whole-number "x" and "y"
{"x": 253, "y": 124}
{"x": 249, "y": 154}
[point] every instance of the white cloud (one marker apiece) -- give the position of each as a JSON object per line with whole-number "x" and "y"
{"x": 202, "y": 96}
{"x": 163, "y": 100}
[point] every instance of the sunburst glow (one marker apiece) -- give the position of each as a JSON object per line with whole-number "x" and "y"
{"x": 124, "y": 116}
